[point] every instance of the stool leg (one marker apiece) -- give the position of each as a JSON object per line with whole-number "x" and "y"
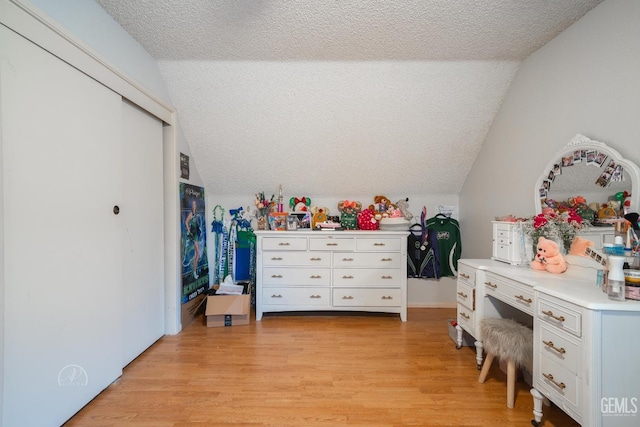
{"x": 511, "y": 383}
{"x": 485, "y": 367}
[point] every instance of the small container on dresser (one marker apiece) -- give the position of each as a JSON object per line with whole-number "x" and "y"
{"x": 508, "y": 245}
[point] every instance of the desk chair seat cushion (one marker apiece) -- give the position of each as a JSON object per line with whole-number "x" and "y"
{"x": 507, "y": 339}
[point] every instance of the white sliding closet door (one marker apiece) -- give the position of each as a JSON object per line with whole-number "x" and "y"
{"x": 143, "y": 233}
{"x": 61, "y": 139}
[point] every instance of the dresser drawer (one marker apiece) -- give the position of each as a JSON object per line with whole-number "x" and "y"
{"x": 378, "y": 244}
{"x": 465, "y": 295}
{"x": 558, "y": 383}
{"x": 368, "y": 259}
{"x": 559, "y": 348}
{"x": 296, "y": 276}
{"x": 355, "y": 297}
{"x": 293, "y": 258}
{"x": 466, "y": 318}
{"x": 467, "y": 275}
{"x": 559, "y": 314}
{"x": 331, "y": 244}
{"x": 284, "y": 243}
{"x": 514, "y": 293}
{"x": 503, "y": 232}
{"x": 389, "y": 277}
{"x": 297, "y": 296}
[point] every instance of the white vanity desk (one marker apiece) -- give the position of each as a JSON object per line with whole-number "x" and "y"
{"x": 586, "y": 347}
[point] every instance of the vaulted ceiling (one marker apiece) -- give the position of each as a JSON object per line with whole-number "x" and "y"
{"x": 336, "y": 98}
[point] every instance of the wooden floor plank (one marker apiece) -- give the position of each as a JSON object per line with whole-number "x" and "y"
{"x": 341, "y": 369}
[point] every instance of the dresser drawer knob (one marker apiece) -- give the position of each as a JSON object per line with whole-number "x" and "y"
{"x": 347, "y": 277}
{"x": 465, "y": 315}
{"x": 276, "y": 276}
{"x": 315, "y": 259}
{"x": 315, "y": 296}
{"x": 463, "y": 295}
{"x": 386, "y": 277}
{"x": 491, "y": 285}
{"x": 561, "y": 386}
{"x": 387, "y": 297}
{"x": 464, "y": 276}
{"x": 523, "y": 299}
{"x": 551, "y": 346}
{"x": 276, "y": 258}
{"x": 347, "y": 297}
{"x": 386, "y": 259}
{"x": 378, "y": 244}
{"x": 276, "y": 296}
{"x": 332, "y": 244}
{"x": 347, "y": 259}
{"x": 315, "y": 276}
{"x": 283, "y": 244}
{"x": 550, "y": 314}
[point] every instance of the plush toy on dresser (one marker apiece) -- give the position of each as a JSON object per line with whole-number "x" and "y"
{"x": 548, "y": 257}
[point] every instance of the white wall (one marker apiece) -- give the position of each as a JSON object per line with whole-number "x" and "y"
{"x": 586, "y": 80}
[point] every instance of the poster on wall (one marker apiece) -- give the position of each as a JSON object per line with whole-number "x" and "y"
{"x": 195, "y": 265}
{"x": 184, "y": 166}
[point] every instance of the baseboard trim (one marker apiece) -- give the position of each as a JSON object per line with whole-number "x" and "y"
{"x": 434, "y": 305}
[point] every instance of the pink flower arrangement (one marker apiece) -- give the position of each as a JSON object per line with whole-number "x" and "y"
{"x": 558, "y": 226}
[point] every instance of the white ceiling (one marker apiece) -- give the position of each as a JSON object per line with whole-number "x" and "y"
{"x": 336, "y": 98}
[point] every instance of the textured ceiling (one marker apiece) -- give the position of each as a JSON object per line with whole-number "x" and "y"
{"x": 336, "y": 98}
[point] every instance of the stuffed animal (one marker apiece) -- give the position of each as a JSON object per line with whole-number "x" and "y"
{"x": 579, "y": 246}
{"x": 380, "y": 207}
{"x": 403, "y": 207}
{"x": 548, "y": 257}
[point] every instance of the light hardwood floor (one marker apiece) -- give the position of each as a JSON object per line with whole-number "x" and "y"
{"x": 313, "y": 370}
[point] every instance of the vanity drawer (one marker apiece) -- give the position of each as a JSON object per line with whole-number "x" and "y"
{"x": 297, "y": 296}
{"x": 354, "y": 297}
{"x": 331, "y": 244}
{"x": 514, "y": 293}
{"x": 368, "y": 259}
{"x": 292, "y": 258}
{"x": 465, "y": 295}
{"x": 378, "y": 244}
{"x": 296, "y": 276}
{"x": 466, "y": 318}
{"x": 556, "y": 346}
{"x": 467, "y": 275}
{"x": 558, "y": 383}
{"x": 284, "y": 243}
{"x": 559, "y": 314}
{"x": 390, "y": 277}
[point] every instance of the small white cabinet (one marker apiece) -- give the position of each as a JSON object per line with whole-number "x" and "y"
{"x": 508, "y": 242}
{"x": 339, "y": 270}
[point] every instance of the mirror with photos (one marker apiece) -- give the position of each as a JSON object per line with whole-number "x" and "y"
{"x": 589, "y": 172}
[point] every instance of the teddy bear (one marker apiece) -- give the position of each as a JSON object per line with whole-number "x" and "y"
{"x": 380, "y": 207}
{"x": 548, "y": 257}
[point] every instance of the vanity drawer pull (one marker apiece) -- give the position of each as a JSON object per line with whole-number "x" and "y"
{"x": 550, "y": 314}
{"x": 386, "y": 277}
{"x": 347, "y": 297}
{"x": 276, "y": 276}
{"x": 463, "y": 295}
{"x": 276, "y": 296}
{"x": 464, "y": 276}
{"x": 491, "y": 285}
{"x": 465, "y": 315}
{"x": 315, "y": 276}
{"x": 347, "y": 259}
{"x": 276, "y": 258}
{"x": 561, "y": 386}
{"x": 347, "y": 277}
{"x": 523, "y": 299}
{"x": 283, "y": 244}
{"x": 551, "y": 346}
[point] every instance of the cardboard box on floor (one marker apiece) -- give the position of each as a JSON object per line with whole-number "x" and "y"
{"x": 228, "y": 310}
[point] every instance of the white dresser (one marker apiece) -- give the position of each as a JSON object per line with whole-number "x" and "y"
{"x": 585, "y": 346}
{"x": 331, "y": 270}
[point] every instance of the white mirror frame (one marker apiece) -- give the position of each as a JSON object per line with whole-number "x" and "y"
{"x": 581, "y": 142}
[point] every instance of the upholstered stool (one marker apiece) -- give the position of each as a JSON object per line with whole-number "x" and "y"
{"x": 510, "y": 341}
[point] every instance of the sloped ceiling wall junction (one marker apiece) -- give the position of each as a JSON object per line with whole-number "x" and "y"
{"x": 335, "y": 98}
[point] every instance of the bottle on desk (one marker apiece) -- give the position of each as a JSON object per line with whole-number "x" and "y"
{"x": 615, "y": 278}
